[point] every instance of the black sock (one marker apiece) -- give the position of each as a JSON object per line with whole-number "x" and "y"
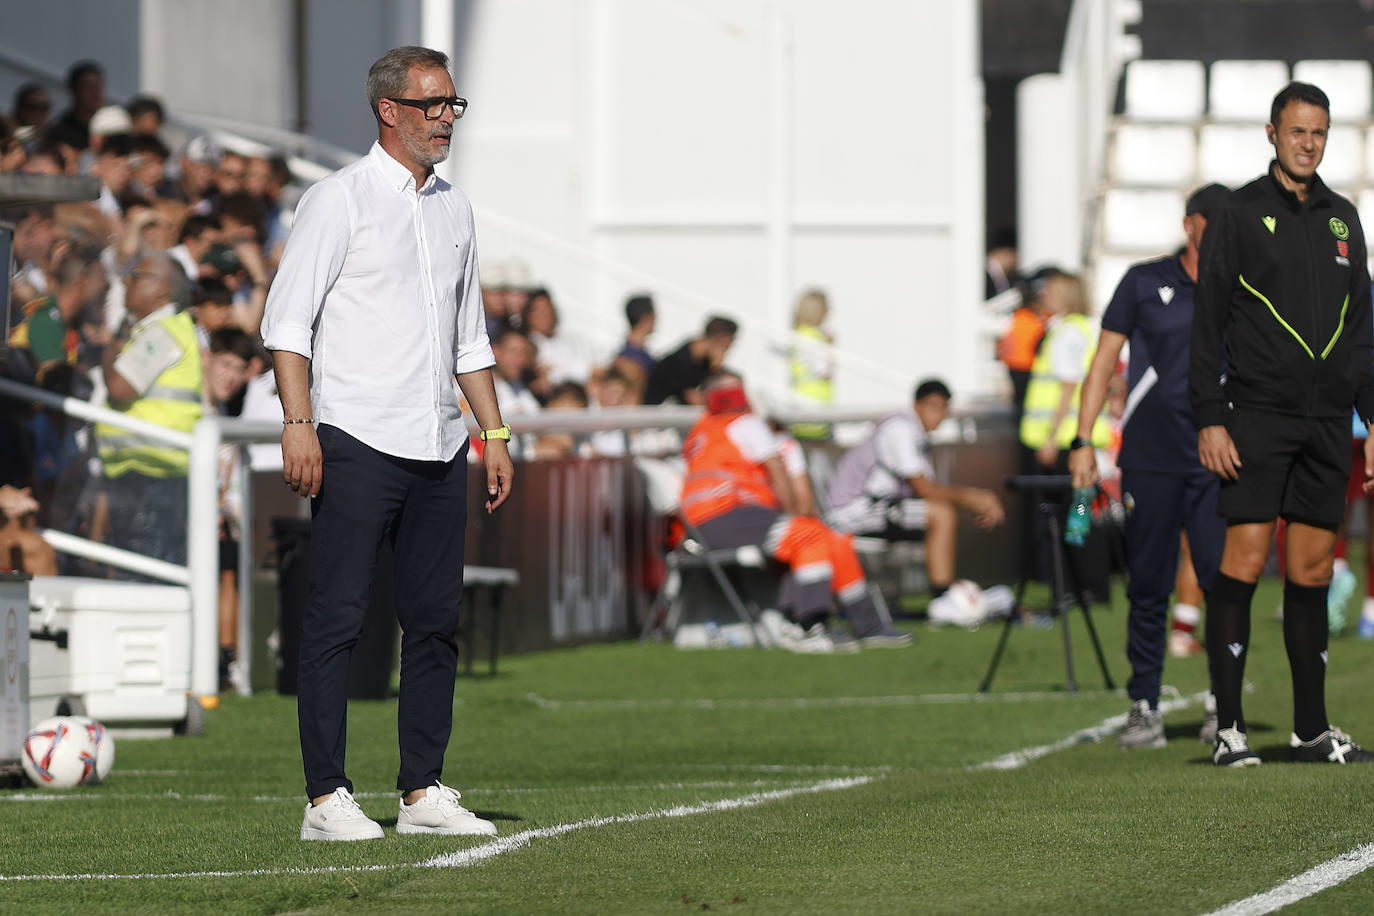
{"x": 937, "y": 590}
{"x": 1305, "y": 638}
{"x": 1228, "y": 640}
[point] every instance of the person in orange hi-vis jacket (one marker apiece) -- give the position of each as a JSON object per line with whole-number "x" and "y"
{"x": 736, "y": 492}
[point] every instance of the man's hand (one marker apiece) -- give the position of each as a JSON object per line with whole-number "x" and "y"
{"x": 15, "y": 502}
{"x": 1369, "y": 464}
{"x": 1218, "y": 453}
{"x": 986, "y": 509}
{"x": 500, "y": 473}
{"x": 1048, "y": 454}
{"x": 1083, "y": 466}
{"x": 302, "y": 465}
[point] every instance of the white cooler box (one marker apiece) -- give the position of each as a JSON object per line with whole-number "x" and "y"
{"x": 14, "y": 671}
{"x": 117, "y": 651}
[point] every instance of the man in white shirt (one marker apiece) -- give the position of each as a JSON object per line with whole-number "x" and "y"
{"x": 376, "y": 308}
{"x": 885, "y": 486}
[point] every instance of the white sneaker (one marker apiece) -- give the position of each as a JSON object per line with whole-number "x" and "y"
{"x": 338, "y": 818}
{"x": 782, "y": 633}
{"x": 439, "y": 812}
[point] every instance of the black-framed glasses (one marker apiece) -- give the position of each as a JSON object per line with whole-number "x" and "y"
{"x": 434, "y": 107}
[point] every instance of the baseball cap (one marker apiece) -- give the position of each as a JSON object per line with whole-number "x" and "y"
{"x": 112, "y": 119}
{"x": 1207, "y": 200}
{"x": 203, "y": 150}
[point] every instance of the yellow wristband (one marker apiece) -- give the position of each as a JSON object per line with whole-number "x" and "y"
{"x": 501, "y": 433}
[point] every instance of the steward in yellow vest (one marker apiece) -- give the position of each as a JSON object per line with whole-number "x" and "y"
{"x": 1045, "y": 395}
{"x": 810, "y": 363}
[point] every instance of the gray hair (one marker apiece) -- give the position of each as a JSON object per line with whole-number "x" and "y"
{"x": 387, "y": 78}
{"x": 178, "y": 285}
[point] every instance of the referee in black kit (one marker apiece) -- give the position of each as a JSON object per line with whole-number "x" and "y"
{"x": 1280, "y": 353}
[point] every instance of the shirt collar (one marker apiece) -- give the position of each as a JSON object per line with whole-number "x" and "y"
{"x": 397, "y": 176}
{"x": 164, "y": 311}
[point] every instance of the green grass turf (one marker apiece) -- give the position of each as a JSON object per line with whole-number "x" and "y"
{"x": 561, "y": 737}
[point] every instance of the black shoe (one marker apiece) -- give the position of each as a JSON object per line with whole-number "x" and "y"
{"x": 1331, "y": 746}
{"x": 1232, "y": 750}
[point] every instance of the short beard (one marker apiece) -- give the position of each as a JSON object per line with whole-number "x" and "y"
{"x": 419, "y": 149}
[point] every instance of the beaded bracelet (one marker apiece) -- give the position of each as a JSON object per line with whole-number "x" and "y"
{"x": 302, "y": 420}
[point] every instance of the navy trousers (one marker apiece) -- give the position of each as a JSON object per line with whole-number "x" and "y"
{"x": 1162, "y": 506}
{"x": 421, "y": 506}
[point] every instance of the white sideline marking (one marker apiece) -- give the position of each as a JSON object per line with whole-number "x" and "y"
{"x": 1311, "y": 882}
{"x": 465, "y": 857}
{"x": 1111, "y": 724}
{"x": 925, "y": 699}
{"x": 100, "y": 795}
{"x": 485, "y": 851}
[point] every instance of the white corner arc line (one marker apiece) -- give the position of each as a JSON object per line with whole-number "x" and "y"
{"x": 485, "y": 851}
{"x": 1018, "y": 759}
{"x": 1311, "y": 882}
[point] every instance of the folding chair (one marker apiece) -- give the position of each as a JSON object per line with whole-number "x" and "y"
{"x": 663, "y": 484}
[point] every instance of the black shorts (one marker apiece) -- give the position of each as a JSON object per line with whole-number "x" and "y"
{"x": 1294, "y": 467}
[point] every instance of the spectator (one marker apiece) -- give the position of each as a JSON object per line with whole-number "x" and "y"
{"x": 494, "y": 297}
{"x": 885, "y": 486}
{"x": 146, "y": 116}
{"x": 32, "y": 108}
{"x": 49, "y": 329}
{"x": 198, "y": 161}
{"x": 156, "y": 376}
{"x": 86, "y": 84}
{"x": 44, "y": 158}
{"x": 35, "y": 239}
{"x": 17, "y": 509}
{"x": 634, "y": 353}
{"x": 268, "y": 177}
{"x": 514, "y": 358}
{"x": 1000, "y": 274}
{"x": 560, "y": 357}
{"x": 112, "y": 167}
{"x": 1021, "y": 341}
{"x": 198, "y": 235}
{"x": 679, "y": 374}
{"x": 212, "y": 307}
{"x": 1049, "y": 419}
{"x": 565, "y": 396}
{"x": 149, "y": 164}
{"x": 737, "y": 492}
{"x": 109, "y": 121}
{"x": 812, "y": 361}
{"x": 614, "y": 388}
{"x": 230, "y": 174}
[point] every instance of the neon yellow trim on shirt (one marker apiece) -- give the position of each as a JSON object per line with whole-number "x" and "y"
{"x": 1279, "y": 318}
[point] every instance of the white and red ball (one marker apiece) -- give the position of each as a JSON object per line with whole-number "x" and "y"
{"x": 68, "y": 751}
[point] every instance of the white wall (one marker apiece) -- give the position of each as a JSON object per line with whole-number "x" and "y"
{"x": 738, "y": 151}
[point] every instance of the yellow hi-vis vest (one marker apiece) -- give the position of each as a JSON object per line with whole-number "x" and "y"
{"x": 1044, "y": 392}
{"x": 174, "y": 401}
{"x": 812, "y": 386}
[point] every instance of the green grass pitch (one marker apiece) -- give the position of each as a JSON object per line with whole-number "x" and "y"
{"x": 642, "y": 779}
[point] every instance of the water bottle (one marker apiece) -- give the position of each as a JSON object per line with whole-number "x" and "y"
{"x": 1080, "y": 518}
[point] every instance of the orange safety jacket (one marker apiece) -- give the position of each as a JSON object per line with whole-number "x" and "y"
{"x": 1017, "y": 346}
{"x": 719, "y": 477}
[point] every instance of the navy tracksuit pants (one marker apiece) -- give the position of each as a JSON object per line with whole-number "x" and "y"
{"x": 1161, "y": 506}
{"x": 421, "y": 506}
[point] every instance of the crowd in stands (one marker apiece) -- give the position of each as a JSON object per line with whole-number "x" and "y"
{"x": 149, "y": 300}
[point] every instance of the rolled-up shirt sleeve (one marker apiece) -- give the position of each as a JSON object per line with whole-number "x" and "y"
{"x": 471, "y": 347}
{"x": 311, "y": 262}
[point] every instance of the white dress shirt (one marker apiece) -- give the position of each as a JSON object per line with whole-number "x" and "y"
{"x": 378, "y": 288}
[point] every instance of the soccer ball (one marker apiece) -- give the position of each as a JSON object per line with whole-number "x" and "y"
{"x": 963, "y": 605}
{"x": 66, "y": 751}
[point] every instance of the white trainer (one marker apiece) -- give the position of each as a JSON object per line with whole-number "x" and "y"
{"x": 338, "y": 818}
{"x": 439, "y": 812}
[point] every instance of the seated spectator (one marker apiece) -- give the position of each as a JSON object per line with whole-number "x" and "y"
{"x": 197, "y": 236}
{"x": 679, "y": 374}
{"x": 493, "y": 279}
{"x": 885, "y": 486}
{"x": 154, "y": 375}
{"x": 514, "y": 356}
{"x": 149, "y": 164}
{"x": 45, "y": 158}
{"x": 566, "y": 396}
{"x": 614, "y": 388}
{"x": 50, "y": 328}
{"x": 35, "y": 240}
{"x": 18, "y": 540}
{"x": 640, "y": 314}
{"x": 111, "y": 166}
{"x": 267, "y": 179}
{"x": 231, "y": 172}
{"x": 737, "y": 492}
{"x": 86, "y": 84}
{"x": 32, "y": 107}
{"x": 561, "y": 357}
{"x": 197, "y": 181}
{"x": 146, "y": 116}
{"x": 110, "y": 121}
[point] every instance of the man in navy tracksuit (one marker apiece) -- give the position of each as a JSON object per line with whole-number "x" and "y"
{"x": 1166, "y": 490}
{"x": 1281, "y": 351}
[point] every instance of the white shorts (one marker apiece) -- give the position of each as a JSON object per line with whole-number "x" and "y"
{"x": 904, "y": 517}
